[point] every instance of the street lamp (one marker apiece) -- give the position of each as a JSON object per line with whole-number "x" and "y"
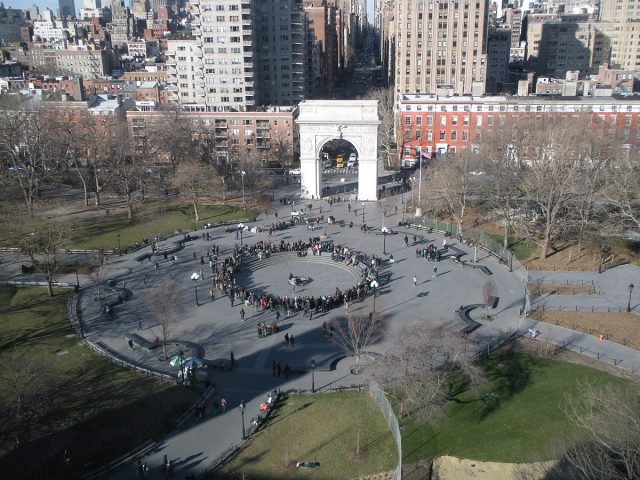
{"x": 384, "y": 242}
{"x": 374, "y": 284}
{"x": 313, "y": 375}
{"x": 362, "y": 212}
{"x": 631, "y": 287}
{"x": 242, "y": 174}
{"x": 195, "y": 277}
{"x": 241, "y": 407}
{"x": 119, "y": 249}
{"x": 241, "y": 232}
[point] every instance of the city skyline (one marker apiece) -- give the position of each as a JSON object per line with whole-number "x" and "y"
{"x": 53, "y": 5}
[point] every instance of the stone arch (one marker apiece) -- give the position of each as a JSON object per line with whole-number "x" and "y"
{"x": 355, "y": 121}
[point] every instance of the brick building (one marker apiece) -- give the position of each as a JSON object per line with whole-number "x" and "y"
{"x": 268, "y": 133}
{"x": 430, "y": 124}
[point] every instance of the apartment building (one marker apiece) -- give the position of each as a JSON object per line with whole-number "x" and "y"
{"x": 268, "y": 133}
{"x": 430, "y": 124}
{"x": 560, "y": 43}
{"x": 441, "y": 46}
{"x": 498, "y": 50}
{"x": 11, "y": 22}
{"x": 242, "y": 53}
{"x": 323, "y": 64}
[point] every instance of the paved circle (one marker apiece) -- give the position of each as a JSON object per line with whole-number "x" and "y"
{"x": 272, "y": 275}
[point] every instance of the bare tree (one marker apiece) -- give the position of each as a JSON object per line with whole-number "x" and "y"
{"x": 501, "y": 150}
{"x": 45, "y": 242}
{"x": 26, "y": 147}
{"x": 552, "y": 165}
{"x": 421, "y": 366}
{"x": 622, "y": 188}
{"x": 29, "y": 384}
{"x": 99, "y": 272}
{"x": 162, "y": 305}
{"x": 448, "y": 185}
{"x": 354, "y": 333}
{"x": 386, "y": 130}
{"x": 193, "y": 179}
{"x": 609, "y": 422}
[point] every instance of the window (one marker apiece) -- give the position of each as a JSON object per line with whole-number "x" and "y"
{"x": 407, "y": 120}
{"x": 479, "y": 121}
{"x": 418, "y": 134}
{"x": 407, "y": 135}
{"x": 443, "y": 121}
{"x": 465, "y": 135}
{"x": 442, "y": 135}
{"x": 429, "y": 136}
{"x": 418, "y": 120}
{"x": 490, "y": 121}
{"x": 627, "y": 119}
{"x": 454, "y": 135}
{"x": 454, "y": 121}
{"x": 429, "y": 120}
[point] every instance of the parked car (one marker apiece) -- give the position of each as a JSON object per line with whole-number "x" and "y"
{"x": 294, "y": 171}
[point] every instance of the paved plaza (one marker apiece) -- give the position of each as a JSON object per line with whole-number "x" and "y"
{"x": 214, "y": 328}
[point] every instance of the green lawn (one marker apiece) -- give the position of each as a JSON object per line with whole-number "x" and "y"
{"x": 321, "y": 427}
{"x": 521, "y": 247}
{"x": 518, "y": 418}
{"x": 150, "y": 220}
{"x": 94, "y": 409}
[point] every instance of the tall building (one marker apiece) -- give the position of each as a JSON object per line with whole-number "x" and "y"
{"x": 441, "y": 46}
{"x": 11, "y": 21}
{"x": 122, "y": 24}
{"x": 280, "y": 37}
{"x": 322, "y": 67}
{"x": 67, "y": 8}
{"x": 498, "y": 47}
{"x": 620, "y": 23}
{"x": 241, "y": 53}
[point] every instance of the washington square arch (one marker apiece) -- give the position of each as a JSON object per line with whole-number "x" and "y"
{"x": 323, "y": 121}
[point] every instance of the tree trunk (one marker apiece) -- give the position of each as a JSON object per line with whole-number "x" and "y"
{"x": 545, "y": 243}
{"x": 129, "y": 207}
{"x": 98, "y": 188}
{"x": 49, "y": 286}
{"x": 195, "y": 210}
{"x": 505, "y": 241}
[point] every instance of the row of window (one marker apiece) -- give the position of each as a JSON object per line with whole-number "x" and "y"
{"x": 522, "y": 108}
{"x": 442, "y": 136}
{"x": 600, "y": 119}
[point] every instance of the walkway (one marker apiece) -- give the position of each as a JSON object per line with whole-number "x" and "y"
{"x": 216, "y": 329}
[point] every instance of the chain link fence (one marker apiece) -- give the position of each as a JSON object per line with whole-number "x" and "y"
{"x": 385, "y": 407}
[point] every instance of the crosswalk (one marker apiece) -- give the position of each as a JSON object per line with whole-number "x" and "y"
{"x": 340, "y": 171}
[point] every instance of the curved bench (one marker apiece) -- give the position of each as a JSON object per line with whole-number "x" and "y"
{"x": 463, "y": 314}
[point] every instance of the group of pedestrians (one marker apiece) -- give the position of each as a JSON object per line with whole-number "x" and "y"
{"x": 278, "y": 369}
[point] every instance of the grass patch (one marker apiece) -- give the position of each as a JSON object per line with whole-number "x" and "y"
{"x": 517, "y": 418}
{"x": 94, "y": 409}
{"x": 322, "y": 428}
{"x": 522, "y": 248}
{"x": 150, "y": 220}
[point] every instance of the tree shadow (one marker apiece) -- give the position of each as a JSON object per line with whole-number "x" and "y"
{"x": 509, "y": 373}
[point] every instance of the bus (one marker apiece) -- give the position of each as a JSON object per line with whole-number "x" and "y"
{"x": 340, "y": 160}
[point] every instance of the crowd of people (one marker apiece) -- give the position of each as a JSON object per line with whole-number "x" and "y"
{"x": 225, "y": 273}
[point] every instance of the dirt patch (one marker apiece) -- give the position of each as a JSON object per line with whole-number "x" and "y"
{"x": 453, "y": 468}
{"x": 622, "y": 327}
{"x": 567, "y": 289}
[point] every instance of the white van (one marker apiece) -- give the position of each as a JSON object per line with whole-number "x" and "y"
{"x": 352, "y": 161}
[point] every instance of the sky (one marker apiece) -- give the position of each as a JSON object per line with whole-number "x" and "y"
{"x": 53, "y": 5}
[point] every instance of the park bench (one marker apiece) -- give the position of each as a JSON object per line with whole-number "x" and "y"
{"x": 141, "y": 342}
{"x": 463, "y": 314}
{"x": 217, "y": 363}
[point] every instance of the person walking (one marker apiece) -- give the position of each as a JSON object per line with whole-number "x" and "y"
{"x": 277, "y": 316}
{"x": 223, "y": 405}
{"x": 406, "y": 242}
{"x": 435, "y": 271}
{"x": 415, "y": 281}
{"x": 291, "y": 340}
{"x": 279, "y": 368}
{"x": 286, "y": 339}
{"x": 242, "y": 314}
{"x": 273, "y": 367}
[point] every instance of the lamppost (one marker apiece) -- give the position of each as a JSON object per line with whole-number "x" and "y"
{"x": 374, "y": 284}
{"x": 631, "y": 287}
{"x": 384, "y": 241}
{"x": 77, "y": 279}
{"x": 195, "y": 277}
{"x": 119, "y": 249}
{"x": 242, "y": 174}
{"x": 241, "y": 232}
{"x": 362, "y": 212}
{"x": 313, "y": 375}
{"x": 241, "y": 407}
